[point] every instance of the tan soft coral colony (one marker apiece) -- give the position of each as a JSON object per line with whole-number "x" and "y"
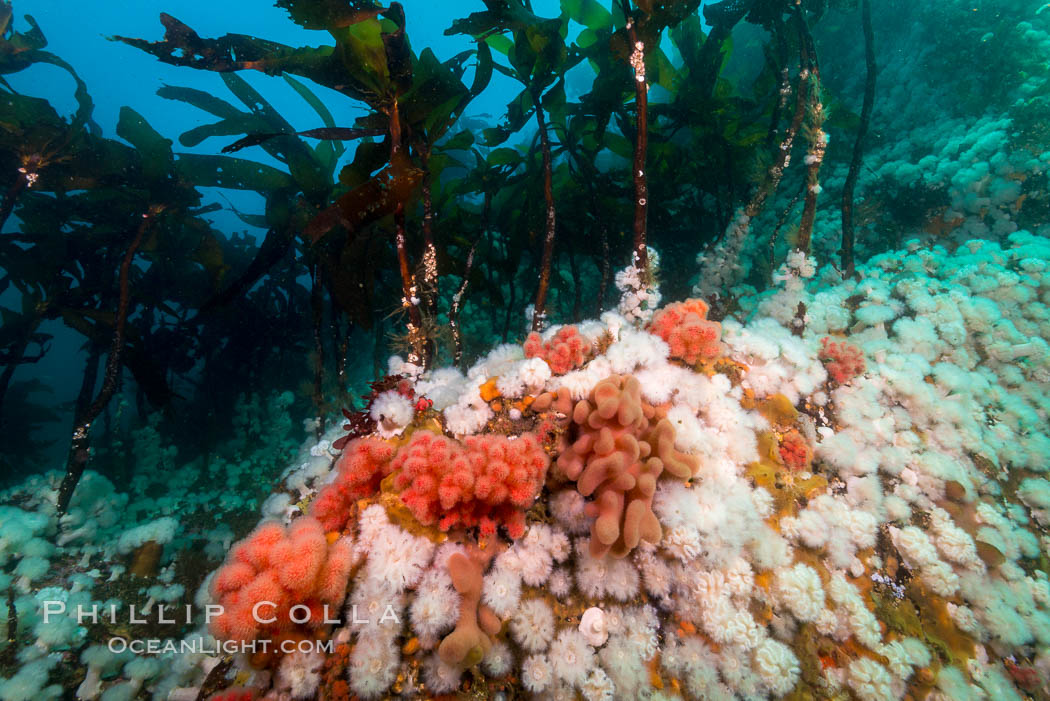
{"x": 620, "y": 447}
{"x": 477, "y": 624}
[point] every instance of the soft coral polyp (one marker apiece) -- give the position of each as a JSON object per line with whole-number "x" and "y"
{"x": 361, "y": 467}
{"x": 486, "y": 481}
{"x": 565, "y": 351}
{"x": 843, "y": 361}
{"x": 282, "y": 567}
{"x": 794, "y": 451}
{"x": 687, "y": 330}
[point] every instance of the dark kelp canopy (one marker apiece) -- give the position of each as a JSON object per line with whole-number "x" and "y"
{"x": 421, "y": 204}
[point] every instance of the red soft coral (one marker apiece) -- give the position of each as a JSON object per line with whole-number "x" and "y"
{"x": 565, "y": 351}
{"x": 687, "y": 330}
{"x": 361, "y": 467}
{"x": 233, "y": 694}
{"x": 486, "y": 481}
{"x": 278, "y": 568}
{"x": 1027, "y": 677}
{"x": 843, "y": 361}
{"x": 617, "y": 448}
{"x": 795, "y": 452}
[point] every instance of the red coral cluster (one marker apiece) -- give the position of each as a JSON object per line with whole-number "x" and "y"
{"x": 485, "y": 481}
{"x": 795, "y": 452}
{"x": 565, "y": 351}
{"x": 233, "y": 694}
{"x": 278, "y": 569}
{"x": 334, "y": 686}
{"x": 843, "y": 361}
{"x": 1027, "y": 677}
{"x": 687, "y": 330}
{"x": 361, "y": 423}
{"x": 360, "y": 469}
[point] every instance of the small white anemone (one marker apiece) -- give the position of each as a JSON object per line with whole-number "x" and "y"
{"x": 592, "y": 625}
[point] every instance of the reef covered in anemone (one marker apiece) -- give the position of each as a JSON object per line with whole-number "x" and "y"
{"x": 814, "y": 504}
{"x": 694, "y": 534}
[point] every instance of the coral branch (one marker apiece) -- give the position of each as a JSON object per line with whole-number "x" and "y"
{"x": 565, "y": 351}
{"x": 472, "y": 638}
{"x": 363, "y": 464}
{"x": 685, "y": 327}
{"x": 620, "y": 449}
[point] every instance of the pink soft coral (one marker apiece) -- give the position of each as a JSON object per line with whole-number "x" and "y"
{"x": 843, "y": 361}
{"x": 687, "y": 330}
{"x": 279, "y": 568}
{"x": 363, "y": 464}
{"x": 619, "y": 448}
{"x": 567, "y": 350}
{"x": 794, "y": 451}
{"x": 485, "y": 481}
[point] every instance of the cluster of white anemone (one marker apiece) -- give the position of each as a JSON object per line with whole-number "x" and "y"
{"x": 954, "y": 396}
{"x": 942, "y": 384}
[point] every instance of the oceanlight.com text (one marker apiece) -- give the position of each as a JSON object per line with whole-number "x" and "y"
{"x": 154, "y": 646}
